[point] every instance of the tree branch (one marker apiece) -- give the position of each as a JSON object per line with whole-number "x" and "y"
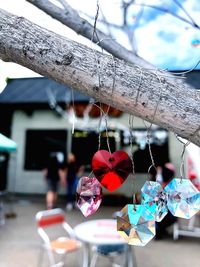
{"x": 186, "y": 13}
{"x": 167, "y": 11}
{"x": 70, "y": 17}
{"x": 104, "y": 20}
{"x": 137, "y": 91}
{"x": 129, "y": 32}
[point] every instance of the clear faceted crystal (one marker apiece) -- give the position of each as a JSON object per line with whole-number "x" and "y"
{"x": 89, "y": 195}
{"x": 136, "y": 225}
{"x": 183, "y": 198}
{"x": 154, "y": 199}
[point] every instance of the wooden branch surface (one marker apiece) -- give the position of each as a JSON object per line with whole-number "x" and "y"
{"x": 70, "y": 17}
{"x": 136, "y": 91}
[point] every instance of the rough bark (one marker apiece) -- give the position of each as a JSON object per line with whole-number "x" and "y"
{"x": 136, "y": 91}
{"x": 70, "y": 17}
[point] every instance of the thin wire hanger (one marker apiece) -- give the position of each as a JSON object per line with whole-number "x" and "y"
{"x": 103, "y": 114}
{"x": 73, "y": 114}
{"x": 182, "y": 165}
{"x": 148, "y": 128}
{"x": 131, "y": 120}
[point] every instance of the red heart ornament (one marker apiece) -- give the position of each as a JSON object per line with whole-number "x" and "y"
{"x": 111, "y": 169}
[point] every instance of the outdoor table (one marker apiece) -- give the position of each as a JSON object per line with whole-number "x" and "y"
{"x": 100, "y": 232}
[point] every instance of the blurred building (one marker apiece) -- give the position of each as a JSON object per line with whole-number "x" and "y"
{"x": 37, "y": 113}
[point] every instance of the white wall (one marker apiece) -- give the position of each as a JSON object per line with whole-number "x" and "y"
{"x": 29, "y": 181}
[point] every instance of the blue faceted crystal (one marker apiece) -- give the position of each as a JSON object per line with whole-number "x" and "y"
{"x": 136, "y": 225}
{"x": 154, "y": 199}
{"x": 183, "y": 198}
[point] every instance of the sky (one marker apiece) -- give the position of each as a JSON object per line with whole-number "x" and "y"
{"x": 160, "y": 38}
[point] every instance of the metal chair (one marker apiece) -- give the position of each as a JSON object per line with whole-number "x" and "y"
{"x": 49, "y": 224}
{"x": 188, "y": 229}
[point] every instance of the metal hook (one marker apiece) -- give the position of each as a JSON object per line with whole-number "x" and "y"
{"x": 134, "y": 202}
{"x": 91, "y": 173}
{"x": 152, "y": 166}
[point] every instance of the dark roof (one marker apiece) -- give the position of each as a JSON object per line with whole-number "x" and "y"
{"x": 38, "y": 91}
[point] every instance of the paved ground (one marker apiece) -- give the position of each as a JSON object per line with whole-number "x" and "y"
{"x": 19, "y": 242}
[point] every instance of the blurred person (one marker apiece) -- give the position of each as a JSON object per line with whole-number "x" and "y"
{"x": 52, "y": 174}
{"x": 164, "y": 175}
{"x": 72, "y": 174}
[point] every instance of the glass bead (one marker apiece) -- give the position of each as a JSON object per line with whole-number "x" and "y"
{"x": 154, "y": 199}
{"x": 136, "y": 225}
{"x": 111, "y": 169}
{"x": 183, "y": 198}
{"x": 89, "y": 195}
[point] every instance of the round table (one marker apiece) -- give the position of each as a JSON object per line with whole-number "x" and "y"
{"x": 100, "y": 232}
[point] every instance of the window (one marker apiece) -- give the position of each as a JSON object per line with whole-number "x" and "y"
{"x": 142, "y": 158}
{"x": 40, "y": 144}
{"x": 85, "y": 144}
{"x": 159, "y": 148}
{"x": 141, "y": 155}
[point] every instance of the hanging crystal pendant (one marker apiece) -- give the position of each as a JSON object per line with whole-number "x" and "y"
{"x": 136, "y": 225}
{"x": 183, "y": 198}
{"x": 111, "y": 169}
{"x": 89, "y": 195}
{"x": 154, "y": 199}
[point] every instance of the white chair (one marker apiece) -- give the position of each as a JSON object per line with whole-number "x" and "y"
{"x": 188, "y": 229}
{"x": 61, "y": 244}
